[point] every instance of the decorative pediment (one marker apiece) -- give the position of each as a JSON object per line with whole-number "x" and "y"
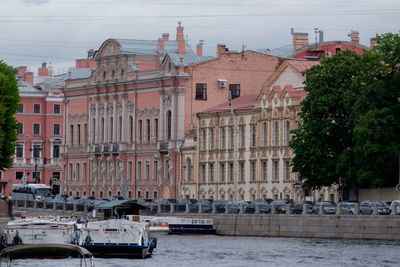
{"x": 275, "y": 190}
{"x": 286, "y": 190}
{"x": 147, "y": 112}
{"x": 111, "y": 49}
{"x": 93, "y": 109}
{"x": 110, "y": 108}
{"x": 139, "y": 112}
{"x": 155, "y": 111}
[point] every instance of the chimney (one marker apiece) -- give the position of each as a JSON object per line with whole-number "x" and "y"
{"x": 28, "y": 77}
{"x": 161, "y": 46}
{"x": 179, "y": 32}
{"x": 355, "y": 36}
{"x": 21, "y": 70}
{"x": 372, "y": 42}
{"x": 221, "y": 49}
{"x": 300, "y": 39}
{"x": 165, "y": 36}
{"x": 321, "y": 37}
{"x": 199, "y": 48}
{"x": 43, "y": 71}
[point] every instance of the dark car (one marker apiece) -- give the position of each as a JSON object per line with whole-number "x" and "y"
{"x": 298, "y": 208}
{"x": 327, "y": 207}
{"x": 248, "y": 206}
{"x": 221, "y": 204}
{"x": 182, "y": 202}
{"x": 205, "y": 205}
{"x": 150, "y": 205}
{"x": 165, "y": 204}
{"x": 281, "y": 205}
{"x": 263, "y": 205}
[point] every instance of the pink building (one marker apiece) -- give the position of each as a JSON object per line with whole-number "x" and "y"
{"x": 126, "y": 120}
{"x": 40, "y": 132}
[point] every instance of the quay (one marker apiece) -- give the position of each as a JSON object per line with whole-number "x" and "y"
{"x": 341, "y": 226}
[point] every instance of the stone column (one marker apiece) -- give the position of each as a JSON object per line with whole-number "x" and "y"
{"x": 304, "y": 209}
{"x": 44, "y": 205}
{"x": 35, "y": 204}
{"x": 54, "y": 205}
{"x": 200, "y": 208}
{"x": 375, "y": 209}
{"x": 64, "y": 206}
{"x": 85, "y": 210}
{"x": 25, "y": 203}
{"x": 321, "y": 209}
{"x": 257, "y": 211}
{"x": 124, "y": 117}
{"x": 115, "y": 119}
{"x": 226, "y": 209}
{"x": 356, "y": 209}
{"x": 97, "y": 127}
{"x": 187, "y": 208}
{"x": 338, "y": 210}
{"x": 273, "y": 209}
{"x": 394, "y": 210}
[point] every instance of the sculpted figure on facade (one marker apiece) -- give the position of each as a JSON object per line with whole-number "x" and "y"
{"x": 111, "y": 170}
{"x": 94, "y": 170}
{"x": 120, "y": 170}
{"x": 170, "y": 162}
{"x": 102, "y": 170}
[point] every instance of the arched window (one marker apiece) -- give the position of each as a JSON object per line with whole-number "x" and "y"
{"x": 169, "y": 125}
{"x": 189, "y": 170}
{"x": 131, "y": 128}
{"x": 93, "y": 130}
{"x": 120, "y": 129}
{"x": 122, "y": 74}
{"x": 111, "y": 129}
{"x": 287, "y": 133}
{"x": 113, "y": 74}
{"x": 101, "y": 194}
{"x": 104, "y": 75}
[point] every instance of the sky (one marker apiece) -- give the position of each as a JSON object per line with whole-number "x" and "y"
{"x": 60, "y": 31}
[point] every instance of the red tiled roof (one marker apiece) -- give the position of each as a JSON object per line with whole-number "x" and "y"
{"x": 302, "y": 65}
{"x": 242, "y": 102}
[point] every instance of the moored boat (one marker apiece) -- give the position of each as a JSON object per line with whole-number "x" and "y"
{"x": 117, "y": 238}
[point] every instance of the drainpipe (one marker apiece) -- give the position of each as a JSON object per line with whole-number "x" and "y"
{"x": 235, "y": 155}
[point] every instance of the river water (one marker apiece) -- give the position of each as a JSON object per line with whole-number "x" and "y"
{"x": 226, "y": 251}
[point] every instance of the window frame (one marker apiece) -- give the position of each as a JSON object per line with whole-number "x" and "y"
{"x": 201, "y": 91}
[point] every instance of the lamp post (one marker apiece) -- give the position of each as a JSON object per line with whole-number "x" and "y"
{"x": 36, "y": 149}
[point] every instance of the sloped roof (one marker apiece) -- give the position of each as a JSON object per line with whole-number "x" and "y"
{"x": 79, "y": 73}
{"x": 27, "y": 88}
{"x": 302, "y": 65}
{"x": 285, "y": 51}
{"x": 50, "y": 83}
{"x": 242, "y": 102}
{"x": 188, "y": 59}
{"x": 149, "y": 47}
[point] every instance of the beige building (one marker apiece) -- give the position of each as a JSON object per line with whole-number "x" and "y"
{"x": 242, "y": 151}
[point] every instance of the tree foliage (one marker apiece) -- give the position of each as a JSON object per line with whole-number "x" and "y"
{"x": 9, "y": 102}
{"x": 351, "y": 116}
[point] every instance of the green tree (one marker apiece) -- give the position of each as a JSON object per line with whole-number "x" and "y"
{"x": 350, "y": 132}
{"x": 9, "y": 102}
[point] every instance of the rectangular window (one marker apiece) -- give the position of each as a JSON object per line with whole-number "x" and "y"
{"x": 36, "y": 108}
{"x": 155, "y": 128}
{"x": 36, "y": 151}
{"x": 230, "y": 172}
{"x": 147, "y": 177}
{"x": 57, "y": 108}
{"x": 71, "y": 134}
{"x": 201, "y": 91}
{"x": 84, "y": 172}
{"x": 276, "y": 172}
{"x": 242, "y": 136}
{"x": 287, "y": 170}
{"x": 77, "y": 170}
{"x": 203, "y": 173}
{"x": 130, "y": 170}
{"x": 234, "y": 91}
{"x": 264, "y": 170}
{"x": 148, "y": 131}
{"x": 204, "y": 139}
{"x": 264, "y": 134}
{"x": 36, "y": 129}
{"x": 241, "y": 169}
{"x": 70, "y": 172}
{"x": 19, "y": 151}
{"x": 56, "y": 151}
{"x": 155, "y": 194}
{"x": 19, "y": 175}
{"x": 139, "y": 194}
{"x": 85, "y": 130}
{"x": 20, "y": 129}
{"x": 139, "y": 171}
{"x": 155, "y": 170}
{"x": 78, "y": 134}
{"x": 231, "y": 136}
{"x": 222, "y": 138}
{"x": 211, "y": 168}
{"x": 287, "y": 133}
{"x": 211, "y": 139}
{"x": 276, "y": 133}
{"x": 140, "y": 131}
{"x": 253, "y": 170}
{"x": 56, "y": 129}
{"x": 222, "y": 165}
{"x": 20, "y": 108}
{"x": 253, "y": 136}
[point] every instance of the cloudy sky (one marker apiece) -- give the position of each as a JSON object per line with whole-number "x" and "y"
{"x": 59, "y": 31}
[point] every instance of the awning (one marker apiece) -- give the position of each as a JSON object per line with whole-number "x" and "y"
{"x": 112, "y": 204}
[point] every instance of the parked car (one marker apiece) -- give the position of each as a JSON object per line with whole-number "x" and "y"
{"x": 166, "y": 204}
{"x": 282, "y": 205}
{"x": 397, "y": 203}
{"x": 367, "y": 207}
{"x": 263, "y": 204}
{"x": 327, "y": 207}
{"x": 182, "y": 202}
{"x": 221, "y": 204}
{"x": 248, "y": 206}
{"x": 148, "y": 203}
{"x": 205, "y": 205}
{"x": 298, "y": 208}
{"x": 347, "y": 207}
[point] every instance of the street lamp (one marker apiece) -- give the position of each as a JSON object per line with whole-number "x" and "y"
{"x": 36, "y": 150}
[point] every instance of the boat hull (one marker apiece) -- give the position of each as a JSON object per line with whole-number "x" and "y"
{"x": 117, "y": 250}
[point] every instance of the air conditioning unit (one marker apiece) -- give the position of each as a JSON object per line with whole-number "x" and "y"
{"x": 328, "y": 54}
{"x": 221, "y": 83}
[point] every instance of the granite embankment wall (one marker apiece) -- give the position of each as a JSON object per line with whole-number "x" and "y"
{"x": 321, "y": 226}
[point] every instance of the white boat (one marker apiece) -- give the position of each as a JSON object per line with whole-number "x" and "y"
{"x": 39, "y": 231}
{"x": 178, "y": 225}
{"x": 117, "y": 238}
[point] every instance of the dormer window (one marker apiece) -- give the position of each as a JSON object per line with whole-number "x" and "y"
{"x": 169, "y": 67}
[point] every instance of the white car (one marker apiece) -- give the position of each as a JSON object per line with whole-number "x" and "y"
{"x": 397, "y": 203}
